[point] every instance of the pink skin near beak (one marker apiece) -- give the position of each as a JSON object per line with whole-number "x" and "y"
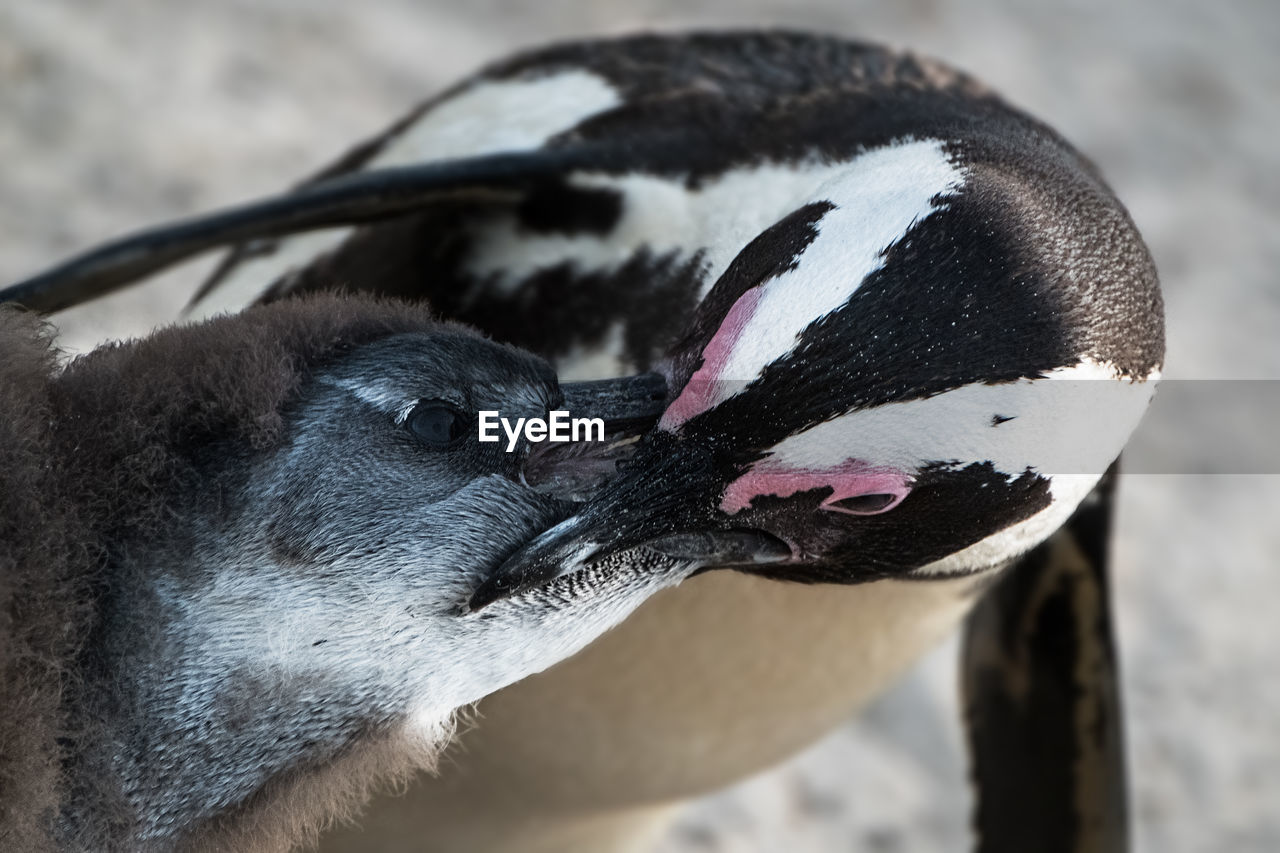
{"x": 850, "y": 479}
{"x": 701, "y": 392}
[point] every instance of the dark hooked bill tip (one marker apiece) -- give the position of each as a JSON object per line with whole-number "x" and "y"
{"x": 554, "y": 555}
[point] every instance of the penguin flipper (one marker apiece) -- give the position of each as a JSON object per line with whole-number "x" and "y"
{"x": 342, "y": 200}
{"x": 1042, "y": 697}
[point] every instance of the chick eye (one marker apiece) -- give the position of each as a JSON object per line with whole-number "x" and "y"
{"x": 436, "y": 424}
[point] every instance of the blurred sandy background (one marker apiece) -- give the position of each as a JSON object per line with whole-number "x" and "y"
{"x": 114, "y": 115}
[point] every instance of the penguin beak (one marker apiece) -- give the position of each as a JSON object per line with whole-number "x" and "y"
{"x": 664, "y": 502}
{"x": 627, "y": 407}
{"x": 628, "y": 403}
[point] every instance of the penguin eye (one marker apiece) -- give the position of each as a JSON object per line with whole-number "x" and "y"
{"x": 864, "y": 504}
{"x": 436, "y": 424}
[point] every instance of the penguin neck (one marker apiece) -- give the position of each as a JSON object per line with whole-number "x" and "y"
{"x": 190, "y": 745}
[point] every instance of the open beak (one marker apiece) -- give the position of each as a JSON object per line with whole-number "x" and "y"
{"x": 575, "y": 470}
{"x": 665, "y": 500}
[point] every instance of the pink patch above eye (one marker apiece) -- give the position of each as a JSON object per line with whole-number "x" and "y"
{"x": 702, "y": 391}
{"x": 850, "y": 479}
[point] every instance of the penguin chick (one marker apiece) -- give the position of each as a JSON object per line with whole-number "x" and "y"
{"x": 234, "y": 567}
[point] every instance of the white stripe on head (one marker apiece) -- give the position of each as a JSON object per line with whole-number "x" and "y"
{"x": 1067, "y": 426}
{"x": 1074, "y": 420}
{"x": 878, "y": 198}
{"x": 717, "y": 217}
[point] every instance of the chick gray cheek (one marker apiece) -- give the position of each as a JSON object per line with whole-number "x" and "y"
{"x": 441, "y": 547}
{"x": 330, "y": 503}
{"x": 493, "y": 515}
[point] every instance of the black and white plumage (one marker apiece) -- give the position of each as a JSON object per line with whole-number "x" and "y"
{"x": 907, "y": 326}
{"x": 235, "y": 566}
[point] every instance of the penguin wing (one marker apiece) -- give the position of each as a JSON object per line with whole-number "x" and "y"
{"x": 505, "y": 241}
{"x": 392, "y": 215}
{"x": 1042, "y": 697}
{"x": 340, "y": 201}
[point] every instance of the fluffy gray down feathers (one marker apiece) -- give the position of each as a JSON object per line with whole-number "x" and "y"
{"x": 90, "y": 454}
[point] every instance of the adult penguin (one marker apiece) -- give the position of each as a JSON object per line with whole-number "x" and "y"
{"x": 906, "y": 329}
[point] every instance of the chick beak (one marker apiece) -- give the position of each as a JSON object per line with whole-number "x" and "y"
{"x": 634, "y": 402}
{"x": 575, "y": 470}
{"x": 658, "y": 503}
